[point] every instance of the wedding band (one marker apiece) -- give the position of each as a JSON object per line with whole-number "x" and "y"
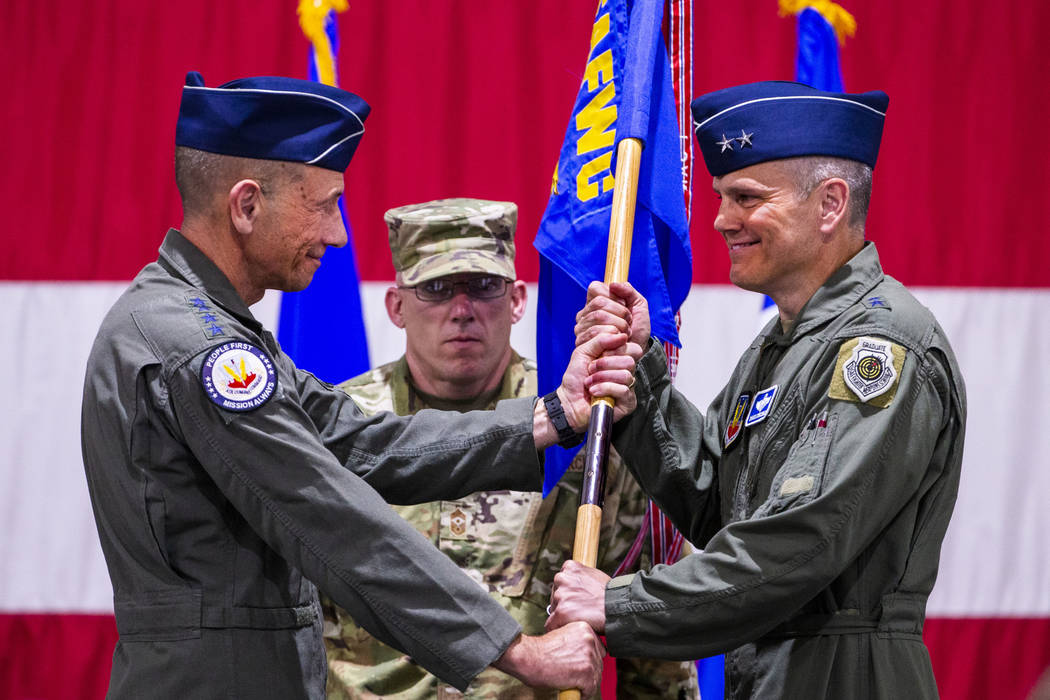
{"x": 548, "y": 611}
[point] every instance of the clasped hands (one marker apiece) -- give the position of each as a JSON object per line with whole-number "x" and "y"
{"x": 614, "y": 313}
{"x": 612, "y": 331}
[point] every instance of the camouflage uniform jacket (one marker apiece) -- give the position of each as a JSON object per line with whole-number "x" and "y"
{"x": 510, "y": 542}
{"x": 821, "y": 509}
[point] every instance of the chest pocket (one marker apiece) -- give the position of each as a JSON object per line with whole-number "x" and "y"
{"x": 801, "y": 477}
{"x": 481, "y": 534}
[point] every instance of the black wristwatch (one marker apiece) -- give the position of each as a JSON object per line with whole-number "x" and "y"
{"x": 567, "y": 437}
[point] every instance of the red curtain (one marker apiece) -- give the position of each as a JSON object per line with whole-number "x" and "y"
{"x": 472, "y": 98}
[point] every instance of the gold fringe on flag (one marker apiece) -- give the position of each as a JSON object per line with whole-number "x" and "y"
{"x": 312, "y": 17}
{"x": 840, "y": 20}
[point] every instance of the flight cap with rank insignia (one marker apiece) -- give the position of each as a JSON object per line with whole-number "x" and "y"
{"x": 452, "y": 236}
{"x": 272, "y": 118}
{"x": 754, "y": 123}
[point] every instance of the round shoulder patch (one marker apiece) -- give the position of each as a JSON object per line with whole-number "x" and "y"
{"x": 238, "y": 376}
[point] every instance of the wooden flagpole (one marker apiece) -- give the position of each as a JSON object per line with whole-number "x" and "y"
{"x": 617, "y": 263}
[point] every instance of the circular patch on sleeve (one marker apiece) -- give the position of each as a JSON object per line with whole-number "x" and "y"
{"x": 238, "y": 376}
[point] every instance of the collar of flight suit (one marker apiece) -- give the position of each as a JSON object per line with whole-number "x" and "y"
{"x": 846, "y": 287}
{"x": 185, "y": 260}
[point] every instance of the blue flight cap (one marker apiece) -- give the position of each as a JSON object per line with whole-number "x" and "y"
{"x": 750, "y": 124}
{"x": 272, "y": 118}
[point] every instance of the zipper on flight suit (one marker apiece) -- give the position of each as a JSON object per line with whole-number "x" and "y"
{"x": 769, "y": 355}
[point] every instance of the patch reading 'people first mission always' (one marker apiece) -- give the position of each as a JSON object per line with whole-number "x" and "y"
{"x": 868, "y": 370}
{"x": 238, "y": 376}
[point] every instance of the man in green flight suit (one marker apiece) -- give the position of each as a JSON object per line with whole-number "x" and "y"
{"x": 228, "y": 485}
{"x": 821, "y": 480}
{"x": 457, "y": 296}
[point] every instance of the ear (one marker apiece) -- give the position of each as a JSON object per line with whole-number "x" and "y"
{"x": 834, "y": 203}
{"x": 519, "y": 299}
{"x": 393, "y": 307}
{"x": 244, "y": 202}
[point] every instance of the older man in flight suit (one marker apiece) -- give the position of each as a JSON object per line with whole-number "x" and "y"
{"x": 226, "y": 483}
{"x": 457, "y": 296}
{"x": 821, "y": 479}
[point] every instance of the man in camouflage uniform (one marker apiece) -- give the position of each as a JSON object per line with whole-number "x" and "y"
{"x": 457, "y": 297}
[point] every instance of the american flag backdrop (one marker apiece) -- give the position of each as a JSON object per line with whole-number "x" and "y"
{"x": 470, "y": 99}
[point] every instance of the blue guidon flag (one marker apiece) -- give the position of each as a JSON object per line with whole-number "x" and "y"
{"x": 626, "y": 92}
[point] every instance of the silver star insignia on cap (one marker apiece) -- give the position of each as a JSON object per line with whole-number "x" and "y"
{"x": 726, "y": 144}
{"x": 744, "y": 139}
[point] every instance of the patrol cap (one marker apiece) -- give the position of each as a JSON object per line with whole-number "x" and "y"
{"x": 450, "y": 236}
{"x": 750, "y": 124}
{"x": 272, "y": 118}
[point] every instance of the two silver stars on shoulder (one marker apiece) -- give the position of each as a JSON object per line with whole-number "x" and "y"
{"x": 727, "y": 143}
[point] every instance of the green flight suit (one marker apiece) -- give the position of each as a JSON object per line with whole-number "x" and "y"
{"x": 511, "y": 542}
{"x": 217, "y": 522}
{"x": 821, "y": 522}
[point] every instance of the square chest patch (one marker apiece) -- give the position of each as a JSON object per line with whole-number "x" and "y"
{"x": 868, "y": 371}
{"x": 762, "y": 405}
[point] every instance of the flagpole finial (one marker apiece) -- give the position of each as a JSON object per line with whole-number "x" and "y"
{"x": 313, "y": 14}
{"x": 840, "y": 20}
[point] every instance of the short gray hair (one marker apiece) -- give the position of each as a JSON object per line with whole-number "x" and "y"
{"x": 810, "y": 171}
{"x": 201, "y": 175}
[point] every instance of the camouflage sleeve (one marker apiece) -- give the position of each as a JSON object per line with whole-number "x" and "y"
{"x": 656, "y": 679}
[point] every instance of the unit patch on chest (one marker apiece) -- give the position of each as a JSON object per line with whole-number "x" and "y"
{"x": 736, "y": 421}
{"x": 868, "y": 371}
{"x": 762, "y": 405}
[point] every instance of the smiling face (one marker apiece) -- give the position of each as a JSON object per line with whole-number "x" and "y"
{"x": 458, "y": 348}
{"x": 772, "y": 230}
{"x": 298, "y": 219}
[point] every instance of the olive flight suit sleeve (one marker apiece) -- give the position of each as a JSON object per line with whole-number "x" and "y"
{"x": 666, "y": 429}
{"x": 307, "y": 494}
{"x": 837, "y": 488}
{"x": 396, "y": 455}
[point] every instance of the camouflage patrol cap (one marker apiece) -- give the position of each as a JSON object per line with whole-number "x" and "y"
{"x": 450, "y": 236}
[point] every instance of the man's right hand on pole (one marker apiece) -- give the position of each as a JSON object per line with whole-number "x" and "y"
{"x": 568, "y": 657}
{"x": 613, "y": 308}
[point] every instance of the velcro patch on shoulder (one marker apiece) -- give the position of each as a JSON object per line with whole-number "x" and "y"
{"x": 238, "y": 376}
{"x": 868, "y": 371}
